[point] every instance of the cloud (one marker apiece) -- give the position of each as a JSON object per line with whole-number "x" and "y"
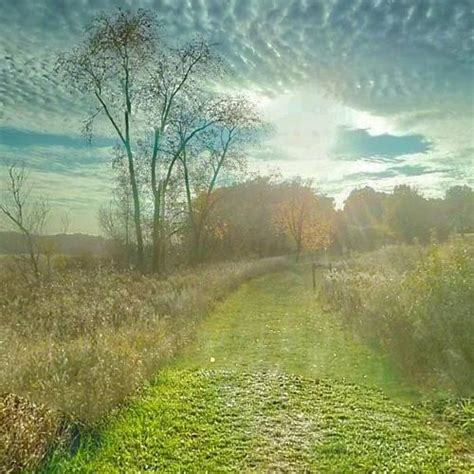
{"x": 24, "y": 138}
{"x": 397, "y": 74}
{"x": 402, "y": 171}
{"x": 361, "y": 144}
{"x": 71, "y": 179}
{"x": 378, "y": 55}
{"x": 60, "y": 159}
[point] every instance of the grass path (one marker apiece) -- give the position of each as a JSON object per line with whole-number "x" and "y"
{"x": 276, "y": 323}
{"x": 271, "y": 384}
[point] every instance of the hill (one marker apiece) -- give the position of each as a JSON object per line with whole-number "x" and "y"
{"x": 66, "y": 244}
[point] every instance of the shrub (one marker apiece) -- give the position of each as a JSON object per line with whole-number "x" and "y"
{"x": 420, "y": 311}
{"x": 26, "y": 431}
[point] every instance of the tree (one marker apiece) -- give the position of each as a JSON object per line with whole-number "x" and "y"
{"x": 361, "y": 224}
{"x": 219, "y": 150}
{"x": 24, "y": 212}
{"x": 408, "y": 215}
{"x": 65, "y": 222}
{"x": 116, "y": 218}
{"x": 300, "y": 216}
{"x": 459, "y": 202}
{"x": 365, "y": 207}
{"x": 180, "y": 107}
{"x": 140, "y": 83}
{"x": 240, "y": 221}
{"x": 111, "y": 67}
{"x": 191, "y": 118}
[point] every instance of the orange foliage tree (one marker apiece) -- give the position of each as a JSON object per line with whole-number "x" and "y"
{"x": 302, "y": 218}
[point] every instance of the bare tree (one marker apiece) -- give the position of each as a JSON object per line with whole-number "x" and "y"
{"x": 220, "y": 151}
{"x": 65, "y": 222}
{"x": 192, "y": 119}
{"x": 110, "y": 66}
{"x": 178, "y": 112}
{"x": 165, "y": 93}
{"x": 116, "y": 218}
{"x": 23, "y": 211}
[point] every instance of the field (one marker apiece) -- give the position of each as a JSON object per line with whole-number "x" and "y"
{"x": 272, "y": 383}
{"x": 83, "y": 340}
{"x": 78, "y": 343}
{"x": 243, "y": 366}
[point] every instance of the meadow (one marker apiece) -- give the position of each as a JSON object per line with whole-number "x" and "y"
{"x": 77, "y": 343}
{"x": 415, "y": 304}
{"x": 272, "y": 382}
{"x": 84, "y": 349}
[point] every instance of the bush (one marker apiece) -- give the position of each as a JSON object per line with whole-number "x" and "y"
{"x": 419, "y": 309}
{"x": 26, "y": 432}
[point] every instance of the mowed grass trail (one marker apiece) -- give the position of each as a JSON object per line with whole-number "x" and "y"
{"x": 271, "y": 384}
{"x": 276, "y": 323}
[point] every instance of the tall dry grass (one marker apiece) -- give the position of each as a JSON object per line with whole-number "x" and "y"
{"x": 81, "y": 341}
{"x": 417, "y": 304}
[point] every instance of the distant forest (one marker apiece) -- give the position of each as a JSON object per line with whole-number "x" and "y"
{"x": 64, "y": 244}
{"x": 266, "y": 216}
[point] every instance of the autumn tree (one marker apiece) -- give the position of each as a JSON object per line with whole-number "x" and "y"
{"x": 240, "y": 220}
{"x": 220, "y": 151}
{"x": 24, "y": 212}
{"x": 300, "y": 217}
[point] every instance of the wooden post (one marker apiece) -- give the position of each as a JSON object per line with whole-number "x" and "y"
{"x": 314, "y": 276}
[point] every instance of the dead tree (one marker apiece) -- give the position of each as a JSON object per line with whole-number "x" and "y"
{"x": 23, "y": 212}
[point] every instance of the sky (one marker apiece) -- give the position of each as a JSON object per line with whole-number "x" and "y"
{"x": 359, "y": 92}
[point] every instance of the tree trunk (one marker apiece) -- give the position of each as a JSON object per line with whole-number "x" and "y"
{"x": 155, "y": 262}
{"x": 298, "y": 251}
{"x": 158, "y": 257}
{"x": 196, "y": 245}
{"x": 136, "y": 210}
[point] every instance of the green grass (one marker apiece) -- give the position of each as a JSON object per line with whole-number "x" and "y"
{"x": 271, "y": 384}
{"x": 223, "y": 421}
{"x": 276, "y": 323}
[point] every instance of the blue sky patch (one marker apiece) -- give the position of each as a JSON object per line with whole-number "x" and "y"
{"x": 359, "y": 143}
{"x": 24, "y": 138}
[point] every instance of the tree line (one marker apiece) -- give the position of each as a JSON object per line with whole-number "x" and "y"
{"x": 265, "y": 216}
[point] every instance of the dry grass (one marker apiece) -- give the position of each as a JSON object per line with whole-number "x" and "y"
{"x": 417, "y": 304}
{"x": 79, "y": 342}
{"x": 26, "y": 433}
{"x": 82, "y": 341}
